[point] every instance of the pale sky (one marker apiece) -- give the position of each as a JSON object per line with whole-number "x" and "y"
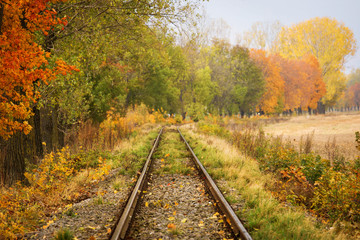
{"x": 241, "y": 14}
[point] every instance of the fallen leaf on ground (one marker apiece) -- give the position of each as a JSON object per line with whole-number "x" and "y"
{"x": 171, "y": 226}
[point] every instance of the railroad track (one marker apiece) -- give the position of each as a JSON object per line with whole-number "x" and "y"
{"x": 171, "y": 198}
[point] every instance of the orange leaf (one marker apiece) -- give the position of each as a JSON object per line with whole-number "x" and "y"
{"x": 171, "y": 226}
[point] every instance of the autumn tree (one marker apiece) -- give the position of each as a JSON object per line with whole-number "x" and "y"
{"x": 303, "y": 86}
{"x": 272, "y": 98}
{"x": 314, "y": 81}
{"x": 352, "y": 94}
{"x": 23, "y": 65}
{"x": 330, "y": 41}
{"x": 23, "y": 61}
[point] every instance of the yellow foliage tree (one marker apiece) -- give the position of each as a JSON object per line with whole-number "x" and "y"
{"x": 330, "y": 41}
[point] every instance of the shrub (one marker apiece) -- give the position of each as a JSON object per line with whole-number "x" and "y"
{"x": 19, "y": 205}
{"x": 293, "y": 187}
{"x": 337, "y": 196}
{"x": 313, "y": 166}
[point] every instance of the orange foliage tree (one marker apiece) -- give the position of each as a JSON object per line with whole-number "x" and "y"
{"x": 354, "y": 95}
{"x": 317, "y": 87}
{"x": 304, "y": 85}
{"x": 23, "y": 63}
{"x": 274, "y": 82}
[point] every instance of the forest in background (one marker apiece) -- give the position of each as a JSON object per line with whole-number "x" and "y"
{"x": 68, "y": 64}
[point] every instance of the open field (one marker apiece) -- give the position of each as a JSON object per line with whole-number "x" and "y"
{"x": 324, "y": 128}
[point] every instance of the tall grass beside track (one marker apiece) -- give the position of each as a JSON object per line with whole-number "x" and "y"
{"x": 263, "y": 216}
{"x": 63, "y": 178}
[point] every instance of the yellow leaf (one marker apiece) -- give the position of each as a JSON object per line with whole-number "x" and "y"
{"x": 184, "y": 220}
{"x": 201, "y": 224}
{"x": 176, "y": 204}
{"x": 171, "y": 218}
{"x": 93, "y": 228}
{"x": 48, "y": 224}
{"x": 146, "y": 204}
{"x": 220, "y": 221}
{"x": 174, "y": 213}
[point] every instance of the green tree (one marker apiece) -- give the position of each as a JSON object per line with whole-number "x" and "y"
{"x": 248, "y": 80}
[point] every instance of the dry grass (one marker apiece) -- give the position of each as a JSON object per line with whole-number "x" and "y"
{"x": 263, "y": 216}
{"x": 325, "y": 128}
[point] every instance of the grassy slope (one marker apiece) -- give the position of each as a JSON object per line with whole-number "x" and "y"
{"x": 264, "y": 216}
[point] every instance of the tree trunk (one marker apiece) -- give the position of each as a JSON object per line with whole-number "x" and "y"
{"x": 1, "y": 16}
{"x": 242, "y": 113}
{"x": 37, "y": 130}
{"x": 309, "y": 110}
{"x": 320, "y": 107}
{"x": 12, "y": 160}
{"x": 54, "y": 130}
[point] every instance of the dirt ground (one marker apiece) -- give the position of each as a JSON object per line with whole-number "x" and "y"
{"x": 323, "y": 129}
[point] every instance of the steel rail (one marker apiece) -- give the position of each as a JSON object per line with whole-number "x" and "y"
{"x": 235, "y": 224}
{"x": 125, "y": 219}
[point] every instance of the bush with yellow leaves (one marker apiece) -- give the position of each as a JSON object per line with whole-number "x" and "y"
{"x": 22, "y": 207}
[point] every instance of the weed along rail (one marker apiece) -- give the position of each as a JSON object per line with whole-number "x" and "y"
{"x": 175, "y": 198}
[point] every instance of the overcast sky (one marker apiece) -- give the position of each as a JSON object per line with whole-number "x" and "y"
{"x": 241, "y": 14}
